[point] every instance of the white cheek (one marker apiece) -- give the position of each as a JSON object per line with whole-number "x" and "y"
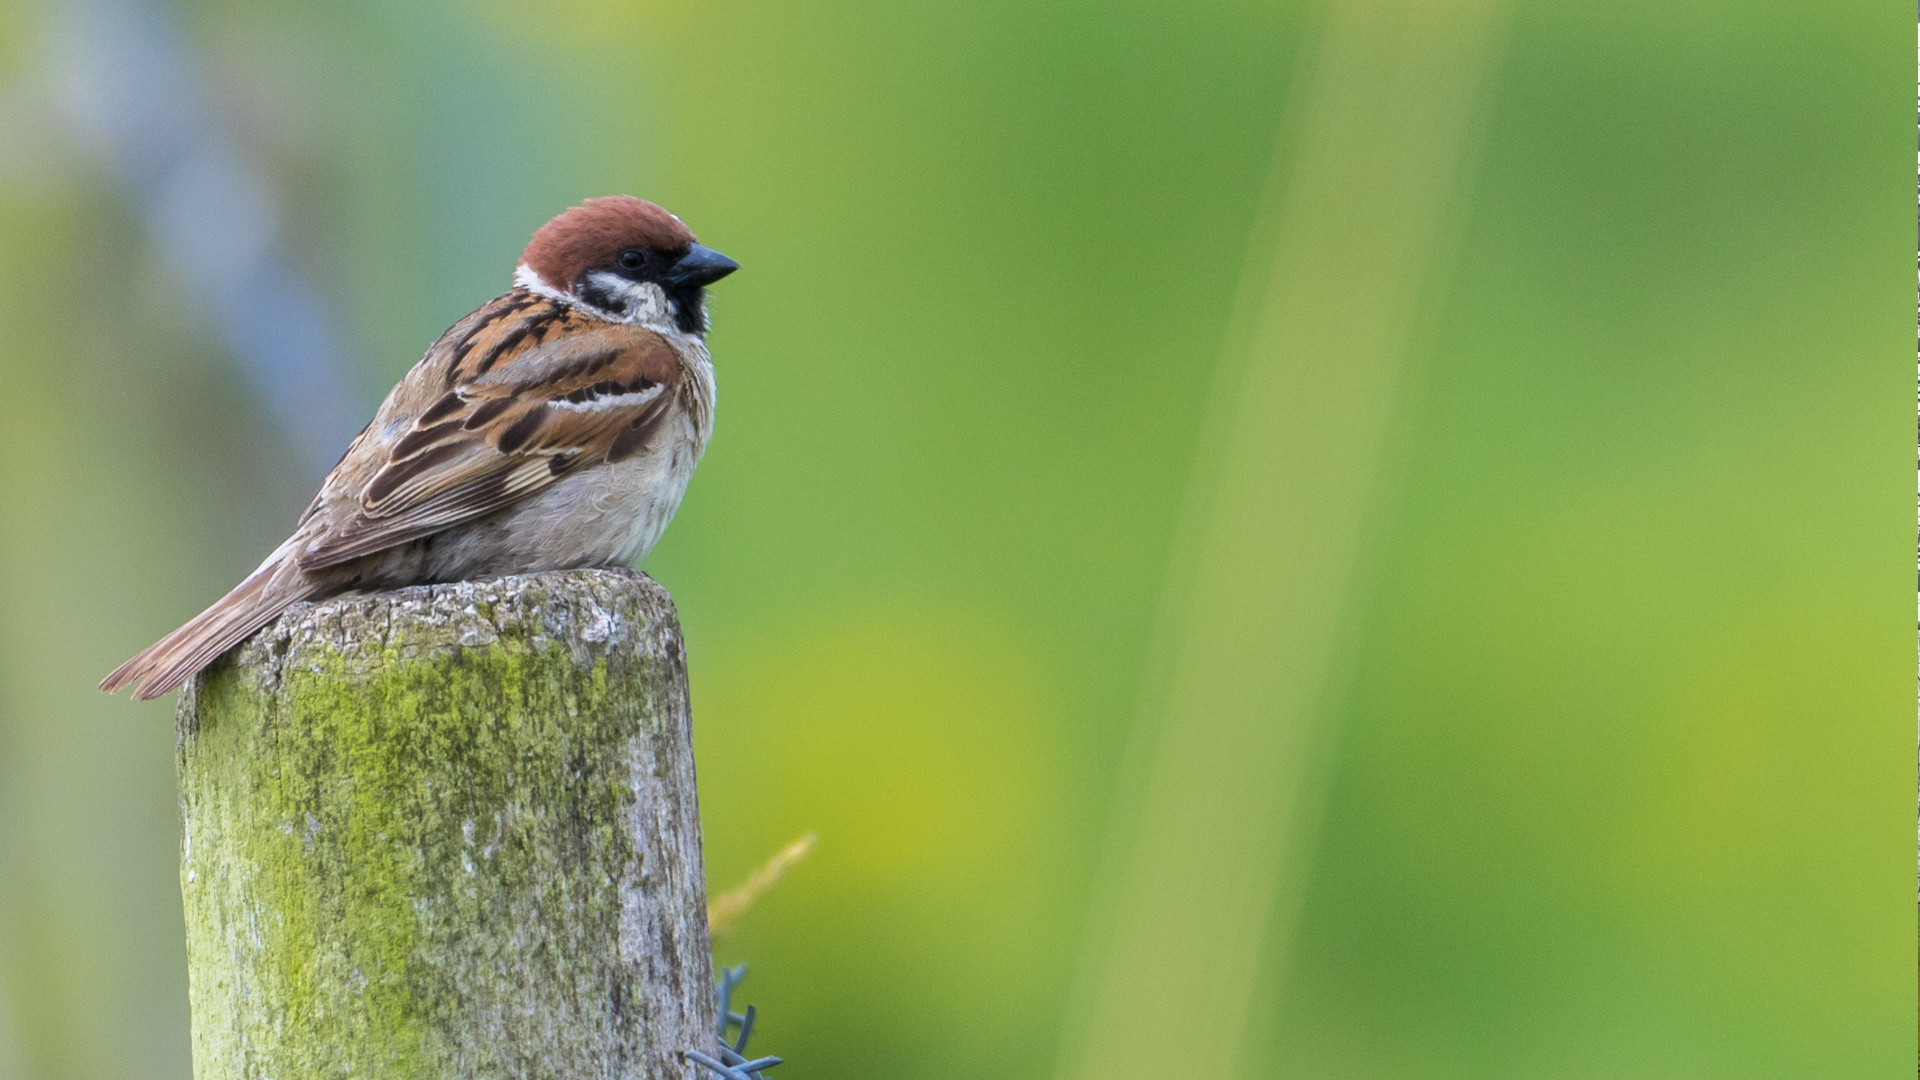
{"x": 643, "y": 301}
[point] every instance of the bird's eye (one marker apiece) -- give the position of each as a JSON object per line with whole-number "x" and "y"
{"x": 632, "y": 259}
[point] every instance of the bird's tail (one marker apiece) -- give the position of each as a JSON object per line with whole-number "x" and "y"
{"x": 167, "y": 664}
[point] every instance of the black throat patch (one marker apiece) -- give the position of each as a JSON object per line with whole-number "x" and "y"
{"x": 689, "y": 308}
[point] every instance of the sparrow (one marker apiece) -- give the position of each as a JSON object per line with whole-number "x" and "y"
{"x": 555, "y": 427}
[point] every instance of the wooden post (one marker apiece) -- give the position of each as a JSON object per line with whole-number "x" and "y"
{"x": 448, "y": 831}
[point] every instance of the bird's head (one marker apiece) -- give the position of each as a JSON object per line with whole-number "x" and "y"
{"x": 624, "y": 260}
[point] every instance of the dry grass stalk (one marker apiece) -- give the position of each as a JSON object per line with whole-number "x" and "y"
{"x": 733, "y": 903}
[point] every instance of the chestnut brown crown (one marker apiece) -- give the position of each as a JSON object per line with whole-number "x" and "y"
{"x": 595, "y": 232}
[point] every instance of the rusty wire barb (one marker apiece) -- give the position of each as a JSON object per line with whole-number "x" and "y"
{"x": 733, "y": 1063}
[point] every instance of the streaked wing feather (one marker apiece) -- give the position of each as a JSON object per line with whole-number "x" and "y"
{"x": 475, "y": 498}
{"x": 532, "y": 404}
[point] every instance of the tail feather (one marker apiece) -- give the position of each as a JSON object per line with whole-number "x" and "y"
{"x": 167, "y": 664}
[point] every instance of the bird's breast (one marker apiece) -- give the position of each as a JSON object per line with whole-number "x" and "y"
{"x": 606, "y": 515}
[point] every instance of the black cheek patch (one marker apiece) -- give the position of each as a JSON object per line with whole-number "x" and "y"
{"x": 596, "y": 296}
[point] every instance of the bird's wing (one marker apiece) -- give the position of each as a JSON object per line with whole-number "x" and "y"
{"x": 530, "y": 397}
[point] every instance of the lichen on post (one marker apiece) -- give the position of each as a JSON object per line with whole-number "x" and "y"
{"x": 448, "y": 831}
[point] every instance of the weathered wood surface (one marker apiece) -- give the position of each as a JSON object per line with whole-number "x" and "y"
{"x": 448, "y": 831}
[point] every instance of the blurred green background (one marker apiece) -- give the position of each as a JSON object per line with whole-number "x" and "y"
{"x": 1618, "y": 778}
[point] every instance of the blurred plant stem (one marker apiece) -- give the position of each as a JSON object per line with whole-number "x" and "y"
{"x": 1234, "y": 744}
{"x": 131, "y": 84}
{"x": 730, "y": 905}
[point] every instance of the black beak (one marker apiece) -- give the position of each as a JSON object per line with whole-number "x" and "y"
{"x": 701, "y": 265}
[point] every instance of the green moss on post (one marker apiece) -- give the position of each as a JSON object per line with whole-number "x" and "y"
{"x": 448, "y": 831}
